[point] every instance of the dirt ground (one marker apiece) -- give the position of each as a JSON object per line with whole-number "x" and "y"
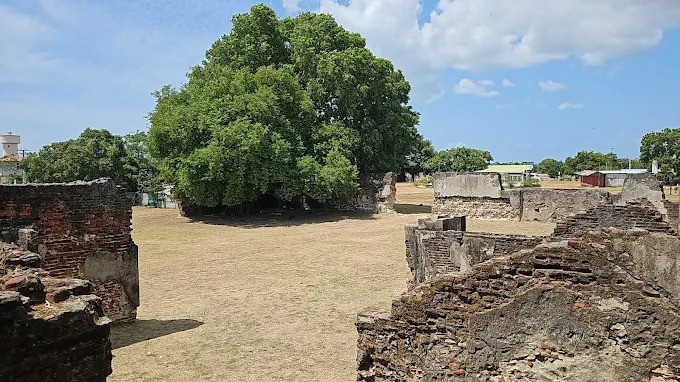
{"x": 265, "y": 298}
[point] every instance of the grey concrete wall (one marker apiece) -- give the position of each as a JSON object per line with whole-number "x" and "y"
{"x": 480, "y": 185}
{"x": 545, "y": 204}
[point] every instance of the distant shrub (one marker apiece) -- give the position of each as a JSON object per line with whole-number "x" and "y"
{"x": 423, "y": 181}
{"x": 531, "y": 183}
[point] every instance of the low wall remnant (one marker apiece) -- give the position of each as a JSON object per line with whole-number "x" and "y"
{"x": 51, "y": 329}
{"x": 481, "y": 196}
{"x": 436, "y": 247}
{"x": 82, "y": 230}
{"x": 556, "y": 312}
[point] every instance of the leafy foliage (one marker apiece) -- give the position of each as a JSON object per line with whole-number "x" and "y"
{"x": 552, "y": 167}
{"x": 293, "y": 108}
{"x": 589, "y": 160}
{"x": 421, "y": 152}
{"x": 145, "y": 171}
{"x": 664, "y": 147}
{"x": 94, "y": 154}
{"x": 459, "y": 159}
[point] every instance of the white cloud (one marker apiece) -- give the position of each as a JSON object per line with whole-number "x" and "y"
{"x": 550, "y": 86}
{"x": 291, "y": 6}
{"x": 492, "y": 34}
{"x": 569, "y": 106}
{"x": 468, "y": 86}
{"x": 507, "y": 83}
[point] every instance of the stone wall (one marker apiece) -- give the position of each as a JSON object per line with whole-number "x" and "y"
{"x": 464, "y": 184}
{"x": 545, "y": 204}
{"x": 51, "y": 329}
{"x": 377, "y": 193}
{"x": 636, "y": 214}
{"x": 476, "y": 208}
{"x": 481, "y": 196}
{"x": 673, "y": 214}
{"x": 558, "y": 312}
{"x": 431, "y": 251}
{"x": 82, "y": 230}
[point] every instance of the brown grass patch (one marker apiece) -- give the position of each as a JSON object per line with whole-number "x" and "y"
{"x": 265, "y": 298}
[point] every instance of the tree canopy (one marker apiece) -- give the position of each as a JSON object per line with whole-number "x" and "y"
{"x": 590, "y": 160}
{"x": 664, "y": 147}
{"x": 94, "y": 154}
{"x": 291, "y": 108}
{"x": 421, "y": 152}
{"x": 552, "y": 167}
{"x": 459, "y": 159}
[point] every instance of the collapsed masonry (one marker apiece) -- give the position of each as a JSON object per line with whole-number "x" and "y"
{"x": 51, "y": 329}
{"x": 603, "y": 307}
{"x": 604, "y": 289}
{"x": 81, "y": 230}
{"x": 481, "y": 196}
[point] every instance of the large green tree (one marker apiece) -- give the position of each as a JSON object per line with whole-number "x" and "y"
{"x": 459, "y": 159}
{"x": 293, "y": 108}
{"x": 552, "y": 167}
{"x": 590, "y": 160}
{"x": 421, "y": 152}
{"x": 145, "y": 169}
{"x": 94, "y": 154}
{"x": 664, "y": 147}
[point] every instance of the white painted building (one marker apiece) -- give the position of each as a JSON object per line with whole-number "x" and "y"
{"x": 615, "y": 178}
{"x": 10, "y": 162}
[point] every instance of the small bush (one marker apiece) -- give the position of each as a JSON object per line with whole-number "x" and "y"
{"x": 423, "y": 181}
{"x": 531, "y": 183}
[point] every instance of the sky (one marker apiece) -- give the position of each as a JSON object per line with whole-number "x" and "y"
{"x": 523, "y": 79}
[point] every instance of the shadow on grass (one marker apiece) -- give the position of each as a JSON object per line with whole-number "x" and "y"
{"x": 412, "y": 208}
{"x": 126, "y": 334}
{"x": 282, "y": 218}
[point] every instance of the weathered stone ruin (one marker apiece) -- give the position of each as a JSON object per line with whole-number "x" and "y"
{"x": 442, "y": 246}
{"x": 434, "y": 247}
{"x": 602, "y": 307}
{"x": 481, "y": 196}
{"x": 51, "y": 329}
{"x": 638, "y": 213}
{"x": 598, "y": 300}
{"x": 81, "y": 230}
{"x": 377, "y": 193}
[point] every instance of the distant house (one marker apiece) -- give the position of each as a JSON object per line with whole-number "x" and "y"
{"x": 591, "y": 178}
{"x": 514, "y": 173}
{"x": 607, "y": 178}
{"x": 615, "y": 178}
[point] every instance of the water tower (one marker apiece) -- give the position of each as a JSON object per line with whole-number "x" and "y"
{"x": 10, "y": 144}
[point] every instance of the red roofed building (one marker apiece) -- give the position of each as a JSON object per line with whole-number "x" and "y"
{"x": 591, "y": 178}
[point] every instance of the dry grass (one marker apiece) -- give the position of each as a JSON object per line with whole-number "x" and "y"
{"x": 264, "y": 298}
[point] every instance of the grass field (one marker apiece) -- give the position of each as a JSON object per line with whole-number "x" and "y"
{"x": 265, "y": 298}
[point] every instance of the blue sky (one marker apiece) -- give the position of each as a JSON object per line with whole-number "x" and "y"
{"x": 524, "y": 79}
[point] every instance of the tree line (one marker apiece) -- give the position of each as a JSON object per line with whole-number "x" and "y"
{"x": 293, "y": 108}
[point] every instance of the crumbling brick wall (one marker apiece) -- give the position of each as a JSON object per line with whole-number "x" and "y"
{"x": 431, "y": 252}
{"x": 51, "y": 329}
{"x": 603, "y": 307}
{"x": 82, "y": 230}
{"x": 635, "y": 214}
{"x": 476, "y": 208}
